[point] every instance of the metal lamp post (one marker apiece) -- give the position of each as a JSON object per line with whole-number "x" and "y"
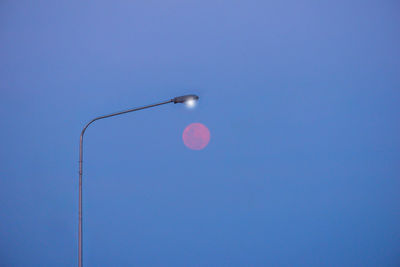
{"x": 188, "y": 99}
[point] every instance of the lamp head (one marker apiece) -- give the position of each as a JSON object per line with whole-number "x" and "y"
{"x": 188, "y": 100}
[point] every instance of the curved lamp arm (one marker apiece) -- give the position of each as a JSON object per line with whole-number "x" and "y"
{"x": 175, "y": 100}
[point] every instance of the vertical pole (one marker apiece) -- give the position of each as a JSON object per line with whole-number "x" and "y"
{"x": 80, "y": 248}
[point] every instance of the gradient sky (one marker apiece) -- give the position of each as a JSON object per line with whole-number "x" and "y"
{"x": 301, "y": 99}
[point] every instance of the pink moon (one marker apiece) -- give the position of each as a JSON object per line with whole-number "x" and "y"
{"x": 196, "y": 136}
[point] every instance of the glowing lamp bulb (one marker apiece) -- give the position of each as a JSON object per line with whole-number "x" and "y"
{"x": 191, "y": 103}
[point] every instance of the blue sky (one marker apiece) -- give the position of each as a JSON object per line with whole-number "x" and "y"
{"x": 301, "y": 99}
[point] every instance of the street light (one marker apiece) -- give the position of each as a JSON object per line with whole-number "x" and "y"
{"x": 190, "y": 100}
